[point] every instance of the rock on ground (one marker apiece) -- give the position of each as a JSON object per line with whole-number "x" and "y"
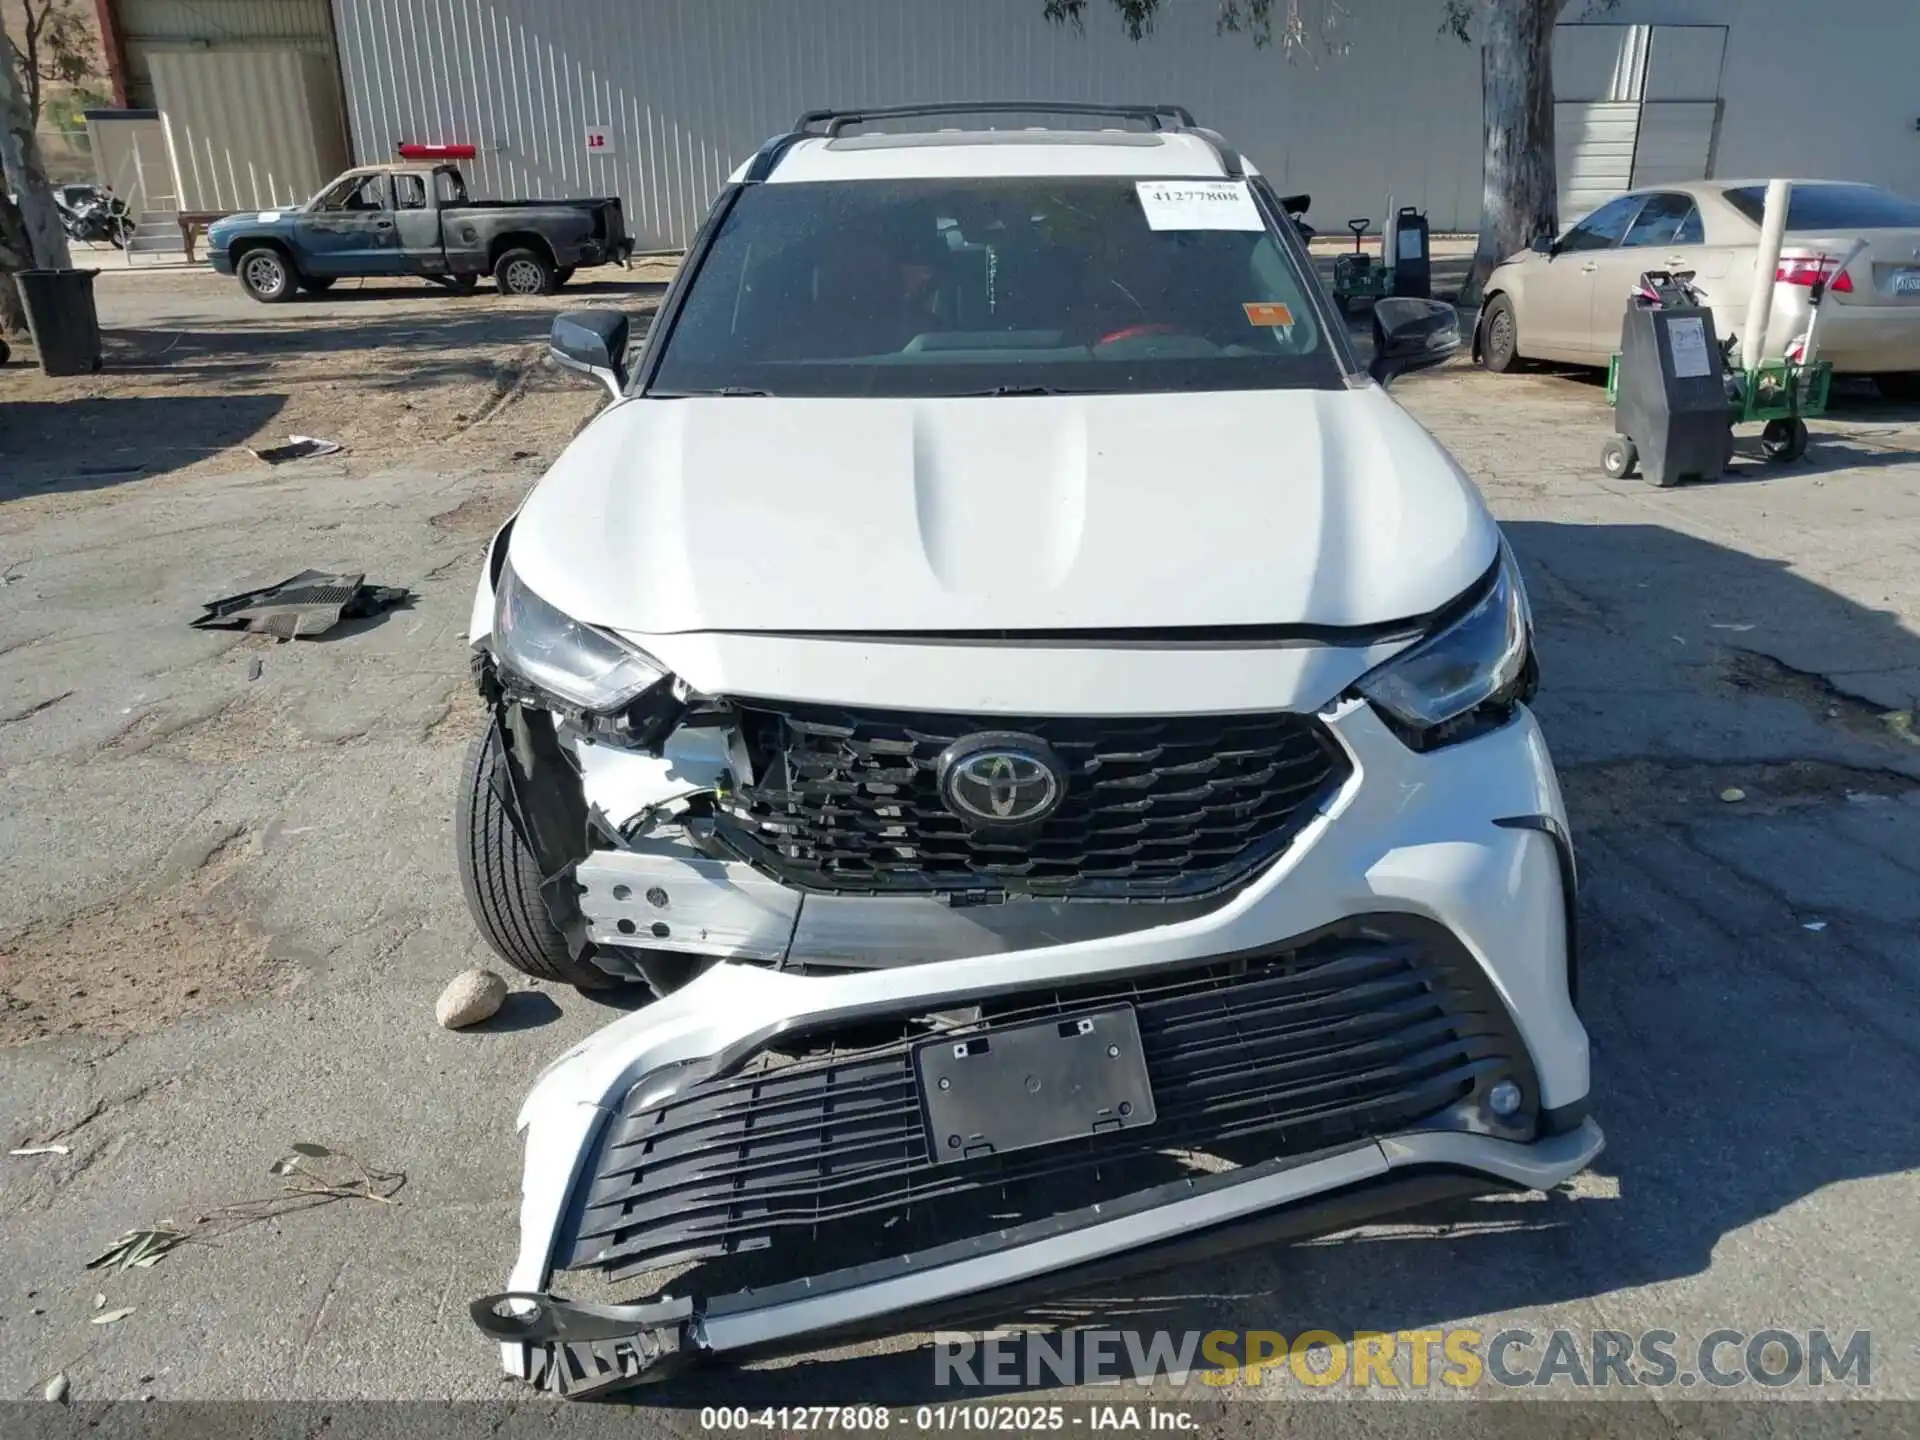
{"x": 470, "y": 997}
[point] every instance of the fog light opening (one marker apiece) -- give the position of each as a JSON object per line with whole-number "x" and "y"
{"x": 1503, "y": 1099}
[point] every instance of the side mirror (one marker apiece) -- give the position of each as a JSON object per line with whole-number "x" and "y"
{"x": 593, "y": 342}
{"x": 1543, "y": 244}
{"x": 1411, "y": 334}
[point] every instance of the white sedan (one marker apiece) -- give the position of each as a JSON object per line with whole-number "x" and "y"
{"x": 1563, "y": 300}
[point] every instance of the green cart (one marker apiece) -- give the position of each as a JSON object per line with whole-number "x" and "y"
{"x": 1777, "y": 394}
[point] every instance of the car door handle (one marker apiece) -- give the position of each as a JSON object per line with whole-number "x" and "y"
{"x": 1588, "y": 268}
{"x": 383, "y": 224}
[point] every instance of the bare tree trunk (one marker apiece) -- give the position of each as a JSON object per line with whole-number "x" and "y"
{"x": 20, "y": 160}
{"x": 1520, "y": 199}
{"x": 15, "y": 254}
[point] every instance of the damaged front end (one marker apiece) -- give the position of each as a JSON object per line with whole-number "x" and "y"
{"x": 1239, "y": 977}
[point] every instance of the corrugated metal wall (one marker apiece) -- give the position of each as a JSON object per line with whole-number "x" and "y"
{"x": 248, "y": 128}
{"x": 685, "y": 89}
{"x": 148, "y": 27}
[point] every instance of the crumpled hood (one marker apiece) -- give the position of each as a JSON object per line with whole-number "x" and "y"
{"x": 1289, "y": 507}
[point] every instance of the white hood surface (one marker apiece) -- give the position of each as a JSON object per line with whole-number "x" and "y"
{"x": 1260, "y": 508}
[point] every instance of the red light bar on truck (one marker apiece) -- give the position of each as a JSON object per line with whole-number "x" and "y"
{"x": 409, "y": 150}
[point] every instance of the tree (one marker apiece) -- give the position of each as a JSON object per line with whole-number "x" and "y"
{"x": 29, "y": 227}
{"x": 1519, "y": 198}
{"x": 53, "y": 45}
{"x": 33, "y": 225}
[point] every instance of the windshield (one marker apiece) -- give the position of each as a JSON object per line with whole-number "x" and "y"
{"x": 961, "y": 287}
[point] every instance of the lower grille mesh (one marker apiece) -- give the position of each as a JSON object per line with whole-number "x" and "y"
{"x": 1271, "y": 1056}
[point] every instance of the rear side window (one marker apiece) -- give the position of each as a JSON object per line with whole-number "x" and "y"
{"x": 1833, "y": 207}
{"x": 409, "y": 192}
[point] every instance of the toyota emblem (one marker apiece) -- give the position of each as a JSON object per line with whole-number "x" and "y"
{"x": 1001, "y": 779}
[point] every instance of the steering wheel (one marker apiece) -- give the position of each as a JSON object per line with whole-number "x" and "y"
{"x": 1135, "y": 332}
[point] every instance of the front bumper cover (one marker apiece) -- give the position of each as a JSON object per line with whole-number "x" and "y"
{"x": 576, "y": 1349}
{"x": 1471, "y": 837}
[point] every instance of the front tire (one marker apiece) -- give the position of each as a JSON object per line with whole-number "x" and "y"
{"x": 1500, "y": 337}
{"x": 524, "y": 272}
{"x": 501, "y": 877}
{"x": 266, "y": 274}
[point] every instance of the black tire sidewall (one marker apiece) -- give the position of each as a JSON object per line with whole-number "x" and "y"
{"x": 287, "y": 282}
{"x": 501, "y": 879}
{"x": 1489, "y": 359}
{"x": 523, "y": 256}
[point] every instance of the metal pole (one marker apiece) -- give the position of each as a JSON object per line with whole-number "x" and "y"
{"x": 1773, "y": 230}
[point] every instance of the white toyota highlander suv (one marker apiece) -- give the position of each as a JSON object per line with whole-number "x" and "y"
{"x": 1049, "y": 728}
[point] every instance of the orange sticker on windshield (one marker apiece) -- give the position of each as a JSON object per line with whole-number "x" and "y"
{"x": 1267, "y": 312}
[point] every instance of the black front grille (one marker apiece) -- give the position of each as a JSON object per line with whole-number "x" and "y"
{"x": 1154, "y": 808}
{"x": 826, "y": 1152}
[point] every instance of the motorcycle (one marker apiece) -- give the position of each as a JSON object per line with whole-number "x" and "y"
{"x": 88, "y": 212}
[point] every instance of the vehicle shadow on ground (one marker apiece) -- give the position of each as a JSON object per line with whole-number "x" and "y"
{"x": 1747, "y": 975}
{"x": 45, "y": 450}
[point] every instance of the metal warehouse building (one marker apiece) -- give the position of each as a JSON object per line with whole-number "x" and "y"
{"x": 657, "y": 100}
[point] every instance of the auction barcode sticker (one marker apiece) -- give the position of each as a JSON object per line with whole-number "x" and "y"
{"x": 1198, "y": 205}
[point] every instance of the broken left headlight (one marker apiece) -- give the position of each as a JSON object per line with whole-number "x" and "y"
{"x": 1466, "y": 675}
{"x": 577, "y": 664}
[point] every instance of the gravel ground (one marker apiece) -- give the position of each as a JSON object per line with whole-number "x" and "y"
{"x": 232, "y": 901}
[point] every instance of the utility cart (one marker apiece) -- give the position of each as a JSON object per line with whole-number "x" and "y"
{"x": 1779, "y": 395}
{"x": 1405, "y": 266}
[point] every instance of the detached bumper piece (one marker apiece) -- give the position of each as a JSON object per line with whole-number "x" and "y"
{"x": 815, "y": 1176}
{"x": 310, "y": 603}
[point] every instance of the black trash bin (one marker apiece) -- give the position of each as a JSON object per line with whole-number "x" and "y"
{"x": 61, "y": 315}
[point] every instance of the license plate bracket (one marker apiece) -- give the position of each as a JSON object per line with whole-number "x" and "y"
{"x": 1032, "y": 1084}
{"x": 1906, "y": 282}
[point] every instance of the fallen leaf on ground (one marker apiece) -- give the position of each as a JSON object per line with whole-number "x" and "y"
{"x": 42, "y": 1150}
{"x": 107, "y": 1317}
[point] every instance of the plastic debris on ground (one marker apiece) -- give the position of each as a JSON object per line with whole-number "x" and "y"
{"x": 310, "y": 603}
{"x": 298, "y": 447}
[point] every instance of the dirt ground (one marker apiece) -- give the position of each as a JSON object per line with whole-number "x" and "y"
{"x": 195, "y": 373}
{"x": 195, "y": 378}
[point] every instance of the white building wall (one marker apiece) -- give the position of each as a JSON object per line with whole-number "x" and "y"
{"x": 1829, "y": 90}
{"x": 685, "y": 89}
{"x": 688, "y": 88}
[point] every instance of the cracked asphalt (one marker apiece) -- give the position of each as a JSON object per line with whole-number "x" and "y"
{"x": 229, "y": 900}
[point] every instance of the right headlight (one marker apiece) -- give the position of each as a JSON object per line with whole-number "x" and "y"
{"x": 577, "y": 664}
{"x": 1475, "y": 667}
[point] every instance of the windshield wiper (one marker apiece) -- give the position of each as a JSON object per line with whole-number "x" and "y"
{"x": 725, "y": 391}
{"x": 1020, "y": 390}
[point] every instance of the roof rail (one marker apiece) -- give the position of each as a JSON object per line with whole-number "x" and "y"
{"x": 829, "y": 123}
{"x": 837, "y": 120}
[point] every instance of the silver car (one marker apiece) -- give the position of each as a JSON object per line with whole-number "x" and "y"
{"x": 1563, "y": 299}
